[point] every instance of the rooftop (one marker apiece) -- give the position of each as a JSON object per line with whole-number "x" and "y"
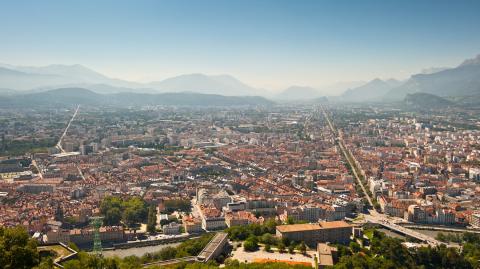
{"x": 311, "y": 226}
{"x": 298, "y": 227}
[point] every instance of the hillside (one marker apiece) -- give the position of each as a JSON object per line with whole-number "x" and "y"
{"x": 426, "y": 100}
{"x": 463, "y": 80}
{"x": 71, "y": 96}
{"x": 371, "y": 91}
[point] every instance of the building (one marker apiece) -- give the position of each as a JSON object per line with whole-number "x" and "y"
{"x": 218, "y": 197}
{"x": 171, "y": 228}
{"x": 475, "y": 220}
{"x": 240, "y": 218}
{"x": 326, "y": 255}
{"x": 37, "y": 188}
{"x": 312, "y": 234}
{"x": 192, "y": 226}
{"x": 213, "y": 223}
{"x": 108, "y": 234}
{"x": 212, "y": 219}
{"x": 415, "y": 214}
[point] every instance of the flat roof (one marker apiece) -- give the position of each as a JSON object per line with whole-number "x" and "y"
{"x": 324, "y": 249}
{"x": 325, "y": 260}
{"x": 334, "y": 224}
{"x": 298, "y": 227}
{"x": 312, "y": 226}
{"x": 325, "y": 257}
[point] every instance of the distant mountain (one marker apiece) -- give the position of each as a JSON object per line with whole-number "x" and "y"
{"x": 298, "y": 93}
{"x": 29, "y": 78}
{"x": 98, "y": 88}
{"x": 432, "y": 70}
{"x": 72, "y": 96}
{"x": 4, "y": 92}
{"x": 426, "y": 100}
{"x": 463, "y": 80}
{"x": 19, "y": 80}
{"x": 339, "y": 88}
{"x": 371, "y": 91}
{"x": 200, "y": 83}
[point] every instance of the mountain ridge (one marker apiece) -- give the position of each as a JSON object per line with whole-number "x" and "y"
{"x": 463, "y": 80}
{"x": 71, "y": 96}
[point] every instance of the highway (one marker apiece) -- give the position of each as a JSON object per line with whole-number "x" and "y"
{"x": 59, "y": 143}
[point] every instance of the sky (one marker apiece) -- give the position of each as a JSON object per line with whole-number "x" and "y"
{"x": 267, "y": 44}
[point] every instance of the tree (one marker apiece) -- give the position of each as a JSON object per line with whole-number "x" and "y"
{"x": 286, "y": 241}
{"x": 291, "y": 249}
{"x": 268, "y": 239}
{"x": 267, "y": 248}
{"x": 251, "y": 244}
{"x": 112, "y": 217}
{"x": 111, "y": 208}
{"x": 131, "y": 211}
{"x": 134, "y": 211}
{"x": 302, "y": 248}
{"x": 270, "y": 226}
{"x": 17, "y": 249}
{"x": 281, "y": 247}
{"x": 355, "y": 247}
{"x": 152, "y": 220}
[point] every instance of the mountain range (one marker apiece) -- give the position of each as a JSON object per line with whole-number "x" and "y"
{"x": 421, "y": 100}
{"x": 74, "y": 96}
{"x": 21, "y": 78}
{"x": 460, "y": 81}
{"x": 200, "y": 83}
{"x": 371, "y": 91}
{"x": 463, "y": 80}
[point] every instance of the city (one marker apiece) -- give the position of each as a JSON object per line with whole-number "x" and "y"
{"x": 240, "y": 134}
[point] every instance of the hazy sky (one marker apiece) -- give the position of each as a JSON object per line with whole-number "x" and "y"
{"x": 270, "y": 44}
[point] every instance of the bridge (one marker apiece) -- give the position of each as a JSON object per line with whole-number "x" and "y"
{"x": 211, "y": 251}
{"x": 171, "y": 262}
{"x": 381, "y": 219}
{"x": 213, "y": 248}
{"x": 374, "y": 216}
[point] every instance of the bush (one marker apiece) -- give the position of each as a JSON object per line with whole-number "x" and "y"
{"x": 250, "y": 245}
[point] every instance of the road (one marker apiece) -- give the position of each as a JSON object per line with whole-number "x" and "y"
{"x": 34, "y": 163}
{"x": 59, "y": 144}
{"x": 344, "y": 152}
{"x": 374, "y": 216}
{"x": 391, "y": 225}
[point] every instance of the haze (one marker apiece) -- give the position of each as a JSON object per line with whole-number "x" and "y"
{"x": 266, "y": 44}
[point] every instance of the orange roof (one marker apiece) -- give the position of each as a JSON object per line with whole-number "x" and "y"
{"x": 298, "y": 227}
{"x": 334, "y": 224}
{"x": 260, "y": 260}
